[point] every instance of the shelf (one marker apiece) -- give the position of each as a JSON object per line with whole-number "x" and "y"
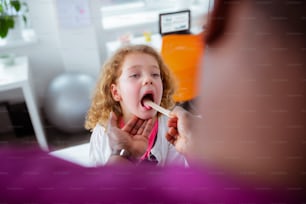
{"x": 155, "y": 42}
{"x": 28, "y": 38}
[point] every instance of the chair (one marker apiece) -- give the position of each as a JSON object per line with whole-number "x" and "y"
{"x": 183, "y": 54}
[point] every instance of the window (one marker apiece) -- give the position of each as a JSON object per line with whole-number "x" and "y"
{"x": 121, "y": 13}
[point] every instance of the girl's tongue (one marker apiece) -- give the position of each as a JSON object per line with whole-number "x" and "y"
{"x": 146, "y": 105}
{"x": 147, "y": 97}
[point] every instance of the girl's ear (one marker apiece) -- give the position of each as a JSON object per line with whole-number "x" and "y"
{"x": 115, "y": 92}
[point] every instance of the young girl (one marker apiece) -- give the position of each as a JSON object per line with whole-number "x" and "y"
{"x": 134, "y": 73}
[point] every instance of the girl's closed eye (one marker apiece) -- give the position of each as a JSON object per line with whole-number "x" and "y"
{"x": 134, "y": 75}
{"x": 156, "y": 75}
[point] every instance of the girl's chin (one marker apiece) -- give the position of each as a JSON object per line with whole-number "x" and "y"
{"x": 147, "y": 115}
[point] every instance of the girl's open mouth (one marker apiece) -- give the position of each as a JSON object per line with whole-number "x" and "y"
{"x": 147, "y": 97}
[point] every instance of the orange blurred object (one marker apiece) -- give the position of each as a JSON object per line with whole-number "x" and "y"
{"x": 183, "y": 54}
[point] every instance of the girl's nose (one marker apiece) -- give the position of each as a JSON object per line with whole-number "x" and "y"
{"x": 148, "y": 80}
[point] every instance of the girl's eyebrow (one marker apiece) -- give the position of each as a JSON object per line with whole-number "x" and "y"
{"x": 155, "y": 66}
{"x": 140, "y": 66}
{"x": 134, "y": 67}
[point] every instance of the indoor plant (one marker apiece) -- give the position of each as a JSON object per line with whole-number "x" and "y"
{"x": 10, "y": 12}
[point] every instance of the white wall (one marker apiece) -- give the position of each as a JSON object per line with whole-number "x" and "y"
{"x": 58, "y": 49}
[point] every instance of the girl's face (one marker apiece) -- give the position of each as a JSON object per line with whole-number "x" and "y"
{"x": 140, "y": 78}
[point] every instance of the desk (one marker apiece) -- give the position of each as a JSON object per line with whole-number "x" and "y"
{"x": 78, "y": 154}
{"x": 17, "y": 76}
{"x": 156, "y": 42}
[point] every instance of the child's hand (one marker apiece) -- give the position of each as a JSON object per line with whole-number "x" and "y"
{"x": 133, "y": 137}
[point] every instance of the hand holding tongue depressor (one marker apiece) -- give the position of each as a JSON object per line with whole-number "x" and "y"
{"x": 157, "y": 107}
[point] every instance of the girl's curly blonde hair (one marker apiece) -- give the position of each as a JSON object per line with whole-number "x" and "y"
{"x": 102, "y": 101}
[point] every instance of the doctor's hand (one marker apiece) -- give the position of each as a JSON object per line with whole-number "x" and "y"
{"x": 133, "y": 136}
{"x": 180, "y": 131}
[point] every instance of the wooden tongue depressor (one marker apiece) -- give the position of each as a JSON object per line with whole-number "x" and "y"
{"x": 157, "y": 107}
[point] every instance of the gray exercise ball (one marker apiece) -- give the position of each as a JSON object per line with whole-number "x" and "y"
{"x": 67, "y": 101}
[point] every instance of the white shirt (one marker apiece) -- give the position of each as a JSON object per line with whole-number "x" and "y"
{"x": 164, "y": 152}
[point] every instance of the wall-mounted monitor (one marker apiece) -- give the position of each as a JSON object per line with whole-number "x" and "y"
{"x": 175, "y": 22}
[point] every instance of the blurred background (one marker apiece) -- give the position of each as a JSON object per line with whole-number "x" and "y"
{"x": 51, "y": 52}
